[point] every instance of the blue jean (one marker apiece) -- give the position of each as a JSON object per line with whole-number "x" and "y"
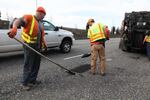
{"x": 148, "y": 50}
{"x": 31, "y": 64}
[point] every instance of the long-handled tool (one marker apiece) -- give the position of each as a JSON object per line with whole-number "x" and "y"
{"x": 67, "y": 70}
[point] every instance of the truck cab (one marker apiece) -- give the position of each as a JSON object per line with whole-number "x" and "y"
{"x": 133, "y": 29}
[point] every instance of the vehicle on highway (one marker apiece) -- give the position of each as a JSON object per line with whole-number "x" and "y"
{"x": 55, "y": 37}
{"x": 134, "y": 27}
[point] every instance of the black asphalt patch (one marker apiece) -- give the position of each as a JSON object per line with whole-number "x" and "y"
{"x": 81, "y": 68}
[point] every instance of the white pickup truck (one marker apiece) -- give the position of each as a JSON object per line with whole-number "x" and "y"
{"x": 55, "y": 37}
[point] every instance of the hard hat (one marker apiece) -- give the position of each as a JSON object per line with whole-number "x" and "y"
{"x": 90, "y": 20}
{"x": 41, "y": 9}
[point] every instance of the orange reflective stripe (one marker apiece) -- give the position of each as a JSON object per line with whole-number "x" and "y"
{"x": 98, "y": 35}
{"x": 102, "y": 32}
{"x": 96, "y": 38}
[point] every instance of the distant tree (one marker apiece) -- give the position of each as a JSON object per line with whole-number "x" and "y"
{"x": 113, "y": 30}
{"x": 118, "y": 31}
{"x": 0, "y": 15}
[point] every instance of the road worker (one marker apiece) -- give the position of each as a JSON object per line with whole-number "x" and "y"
{"x": 34, "y": 36}
{"x": 97, "y": 34}
{"x": 147, "y": 40}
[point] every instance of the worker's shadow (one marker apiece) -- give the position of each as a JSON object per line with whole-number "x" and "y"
{"x": 81, "y": 69}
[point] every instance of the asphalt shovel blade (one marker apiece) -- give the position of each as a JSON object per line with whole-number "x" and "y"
{"x": 86, "y": 55}
{"x": 70, "y": 72}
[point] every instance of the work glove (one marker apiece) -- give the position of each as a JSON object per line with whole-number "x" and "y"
{"x": 12, "y": 32}
{"x": 44, "y": 49}
{"x": 145, "y": 39}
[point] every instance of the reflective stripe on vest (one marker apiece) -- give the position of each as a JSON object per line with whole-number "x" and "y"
{"x": 148, "y": 39}
{"x": 96, "y": 32}
{"x": 28, "y": 37}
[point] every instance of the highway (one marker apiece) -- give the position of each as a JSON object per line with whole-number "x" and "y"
{"x": 127, "y": 76}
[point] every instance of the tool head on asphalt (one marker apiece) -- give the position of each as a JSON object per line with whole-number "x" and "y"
{"x": 70, "y": 72}
{"x": 67, "y": 70}
{"x": 74, "y": 73}
{"x": 86, "y": 55}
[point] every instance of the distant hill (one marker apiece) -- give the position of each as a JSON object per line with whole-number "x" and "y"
{"x": 82, "y": 34}
{"x": 78, "y": 33}
{"x": 4, "y": 24}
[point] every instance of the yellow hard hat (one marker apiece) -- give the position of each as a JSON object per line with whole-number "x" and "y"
{"x": 90, "y": 20}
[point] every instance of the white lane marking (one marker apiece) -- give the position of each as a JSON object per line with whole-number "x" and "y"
{"x": 108, "y": 59}
{"x": 73, "y": 57}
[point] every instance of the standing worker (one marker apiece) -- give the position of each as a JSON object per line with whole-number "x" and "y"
{"x": 147, "y": 40}
{"x": 34, "y": 36}
{"x": 97, "y": 36}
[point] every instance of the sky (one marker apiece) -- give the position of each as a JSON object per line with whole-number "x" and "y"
{"x": 75, "y": 13}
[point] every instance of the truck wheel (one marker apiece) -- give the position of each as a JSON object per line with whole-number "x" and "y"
{"x": 65, "y": 46}
{"x": 123, "y": 44}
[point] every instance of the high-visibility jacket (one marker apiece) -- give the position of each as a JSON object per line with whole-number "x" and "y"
{"x": 148, "y": 39}
{"x": 30, "y": 31}
{"x": 96, "y": 32}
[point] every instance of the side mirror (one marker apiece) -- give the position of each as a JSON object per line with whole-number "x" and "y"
{"x": 56, "y": 29}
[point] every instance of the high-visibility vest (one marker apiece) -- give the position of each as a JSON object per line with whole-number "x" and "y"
{"x": 28, "y": 37}
{"x": 148, "y": 39}
{"x": 96, "y": 32}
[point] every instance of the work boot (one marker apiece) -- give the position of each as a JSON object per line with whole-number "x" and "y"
{"x": 93, "y": 72}
{"x": 34, "y": 83}
{"x": 102, "y": 74}
{"x": 25, "y": 87}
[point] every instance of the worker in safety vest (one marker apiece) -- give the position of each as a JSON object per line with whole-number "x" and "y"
{"x": 97, "y": 34}
{"x": 147, "y": 40}
{"x": 34, "y": 36}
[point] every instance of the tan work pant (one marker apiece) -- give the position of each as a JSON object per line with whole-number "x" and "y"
{"x": 98, "y": 50}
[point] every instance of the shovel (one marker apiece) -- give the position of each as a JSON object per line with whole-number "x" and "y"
{"x": 86, "y": 55}
{"x": 67, "y": 70}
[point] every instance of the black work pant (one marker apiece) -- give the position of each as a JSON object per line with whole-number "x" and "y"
{"x": 31, "y": 64}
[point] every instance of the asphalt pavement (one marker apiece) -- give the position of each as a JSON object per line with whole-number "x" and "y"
{"x": 127, "y": 76}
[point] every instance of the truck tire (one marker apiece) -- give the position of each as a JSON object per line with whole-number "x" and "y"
{"x": 123, "y": 44}
{"x": 65, "y": 47}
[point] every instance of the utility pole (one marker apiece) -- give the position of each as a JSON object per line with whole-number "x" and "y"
{"x": 36, "y": 4}
{"x": 0, "y": 15}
